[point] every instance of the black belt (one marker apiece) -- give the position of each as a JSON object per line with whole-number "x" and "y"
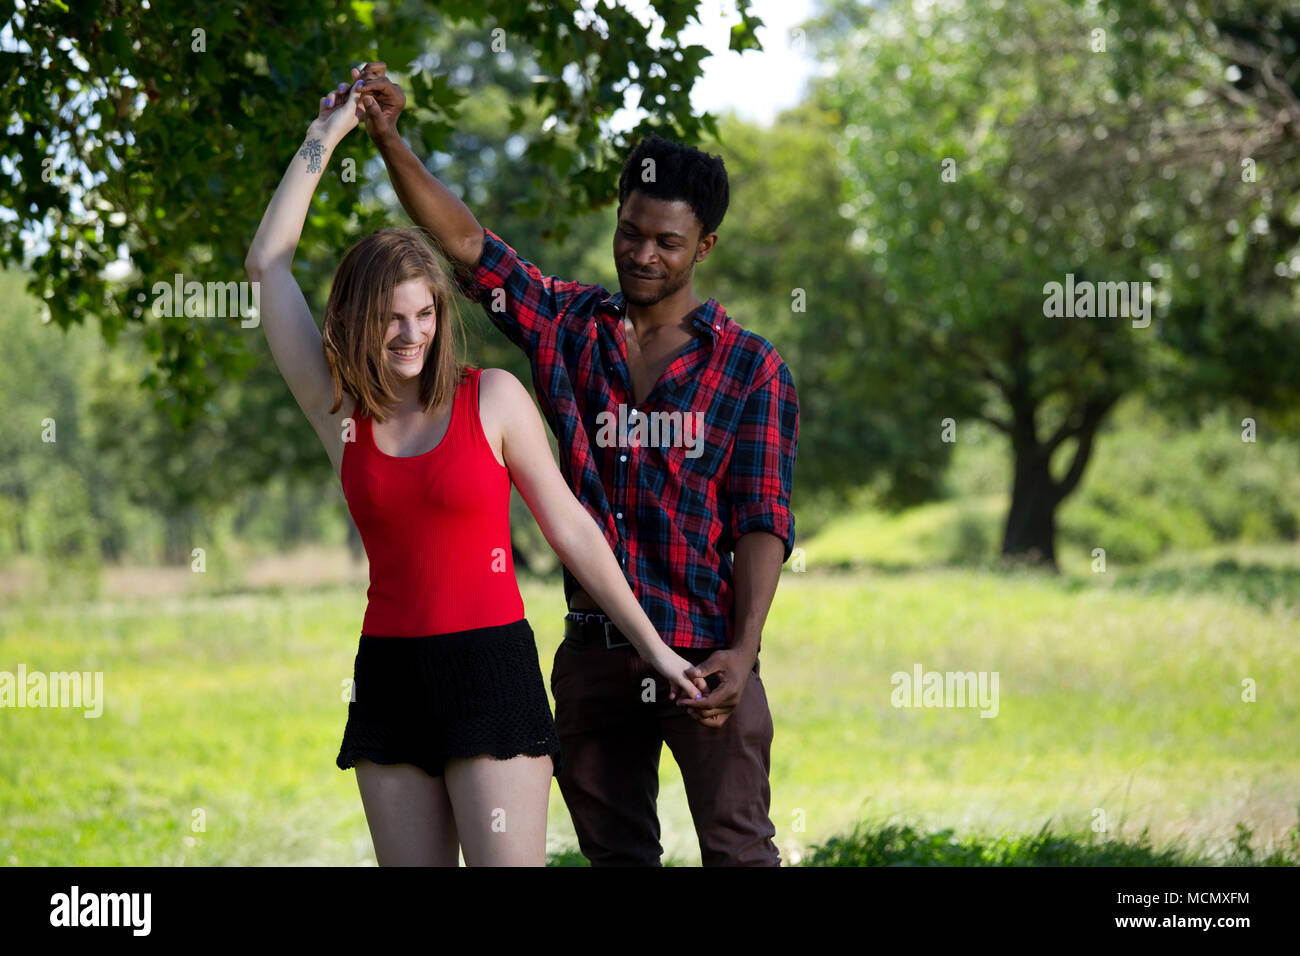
{"x": 592, "y": 627}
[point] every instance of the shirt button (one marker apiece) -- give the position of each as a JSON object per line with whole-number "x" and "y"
{"x": 619, "y": 516}
{"x": 622, "y": 457}
{"x": 717, "y": 328}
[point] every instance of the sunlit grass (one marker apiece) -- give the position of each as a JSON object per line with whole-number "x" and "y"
{"x": 1118, "y": 702}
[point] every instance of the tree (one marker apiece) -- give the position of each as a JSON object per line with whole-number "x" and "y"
{"x": 784, "y": 266}
{"x": 161, "y": 131}
{"x": 991, "y": 155}
{"x": 1237, "y": 165}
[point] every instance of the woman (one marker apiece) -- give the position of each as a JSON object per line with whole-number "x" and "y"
{"x": 449, "y": 728}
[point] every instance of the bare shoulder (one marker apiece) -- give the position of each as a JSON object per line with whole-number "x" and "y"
{"x": 501, "y": 391}
{"x": 501, "y": 400}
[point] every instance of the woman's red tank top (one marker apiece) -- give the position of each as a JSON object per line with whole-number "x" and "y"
{"x": 436, "y": 528}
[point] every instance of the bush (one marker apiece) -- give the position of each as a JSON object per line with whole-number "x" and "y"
{"x": 895, "y": 844}
{"x": 973, "y": 539}
{"x": 1152, "y": 488}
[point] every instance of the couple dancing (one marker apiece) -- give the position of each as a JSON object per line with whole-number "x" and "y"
{"x": 450, "y": 729}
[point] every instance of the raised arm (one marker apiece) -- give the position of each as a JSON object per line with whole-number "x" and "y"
{"x": 431, "y": 205}
{"x": 291, "y": 332}
{"x": 521, "y": 301}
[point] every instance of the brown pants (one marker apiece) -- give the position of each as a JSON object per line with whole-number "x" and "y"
{"x": 612, "y": 729}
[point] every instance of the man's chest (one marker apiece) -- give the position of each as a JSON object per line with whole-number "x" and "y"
{"x": 663, "y": 422}
{"x": 648, "y": 359}
{"x": 665, "y": 406}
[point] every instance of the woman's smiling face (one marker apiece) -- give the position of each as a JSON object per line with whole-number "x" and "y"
{"x": 411, "y": 328}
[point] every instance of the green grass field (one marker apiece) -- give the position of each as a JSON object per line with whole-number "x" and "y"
{"x": 1120, "y": 698}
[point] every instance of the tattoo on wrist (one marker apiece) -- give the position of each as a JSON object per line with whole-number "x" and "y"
{"x": 312, "y": 150}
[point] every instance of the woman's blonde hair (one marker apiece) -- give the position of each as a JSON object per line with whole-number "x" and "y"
{"x": 358, "y": 313}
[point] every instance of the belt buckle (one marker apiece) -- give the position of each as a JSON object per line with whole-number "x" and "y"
{"x": 608, "y": 625}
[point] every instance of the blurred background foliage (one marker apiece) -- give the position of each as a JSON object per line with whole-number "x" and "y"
{"x": 1151, "y": 141}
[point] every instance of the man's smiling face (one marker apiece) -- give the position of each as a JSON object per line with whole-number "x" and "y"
{"x": 656, "y": 243}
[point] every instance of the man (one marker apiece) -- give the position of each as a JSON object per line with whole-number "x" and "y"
{"x": 677, "y": 430}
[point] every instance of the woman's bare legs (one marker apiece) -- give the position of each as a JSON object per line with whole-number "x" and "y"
{"x": 409, "y": 815}
{"x": 500, "y": 808}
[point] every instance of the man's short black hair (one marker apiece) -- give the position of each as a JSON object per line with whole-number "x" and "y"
{"x": 680, "y": 172}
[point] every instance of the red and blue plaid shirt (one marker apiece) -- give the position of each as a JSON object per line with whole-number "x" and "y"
{"x": 670, "y": 509}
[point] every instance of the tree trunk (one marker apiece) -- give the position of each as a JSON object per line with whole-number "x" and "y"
{"x": 1030, "y": 535}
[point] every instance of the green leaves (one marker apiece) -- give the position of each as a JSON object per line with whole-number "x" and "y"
{"x": 436, "y": 92}
{"x": 364, "y": 11}
{"x": 188, "y": 144}
{"x": 743, "y": 35}
{"x": 1055, "y": 170}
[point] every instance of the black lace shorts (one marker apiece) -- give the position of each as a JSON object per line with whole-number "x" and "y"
{"x": 426, "y": 700}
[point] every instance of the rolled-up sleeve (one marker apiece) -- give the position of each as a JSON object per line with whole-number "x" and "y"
{"x": 519, "y": 300}
{"x": 762, "y": 460}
